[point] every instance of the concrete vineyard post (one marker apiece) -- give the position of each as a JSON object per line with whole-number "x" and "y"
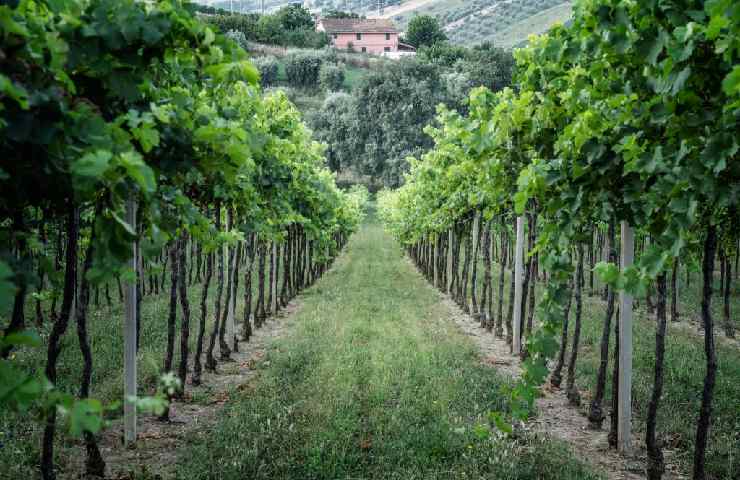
{"x": 231, "y": 256}
{"x": 274, "y": 277}
{"x": 435, "y": 256}
{"x": 129, "y": 338}
{"x": 449, "y": 260}
{"x": 625, "y": 345}
{"x": 476, "y": 232}
{"x": 518, "y": 277}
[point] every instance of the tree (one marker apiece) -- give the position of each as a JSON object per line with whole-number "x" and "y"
{"x": 302, "y": 69}
{"x": 340, "y": 14}
{"x": 384, "y": 122}
{"x": 424, "y": 30}
{"x": 295, "y": 17}
{"x": 331, "y": 77}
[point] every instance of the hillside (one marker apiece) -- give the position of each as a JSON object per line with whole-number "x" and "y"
{"x": 506, "y": 23}
{"x": 246, "y": 6}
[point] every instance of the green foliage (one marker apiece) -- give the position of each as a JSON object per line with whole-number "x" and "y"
{"x": 22, "y": 392}
{"x": 268, "y": 68}
{"x": 7, "y": 287}
{"x": 372, "y": 381}
{"x": 238, "y": 37}
{"x": 375, "y": 129}
{"x": 482, "y": 65}
{"x": 117, "y": 101}
{"x": 424, "y": 31}
{"x": 302, "y": 69}
{"x": 292, "y": 25}
{"x": 332, "y": 13}
{"x": 295, "y": 17}
{"x": 331, "y": 77}
{"x": 628, "y": 113}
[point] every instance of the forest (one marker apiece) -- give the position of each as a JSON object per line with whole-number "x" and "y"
{"x": 228, "y": 251}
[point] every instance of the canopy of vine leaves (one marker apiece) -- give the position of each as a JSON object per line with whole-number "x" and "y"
{"x": 630, "y": 113}
{"x": 107, "y": 101}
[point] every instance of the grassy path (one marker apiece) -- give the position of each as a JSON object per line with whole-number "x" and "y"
{"x": 372, "y": 382}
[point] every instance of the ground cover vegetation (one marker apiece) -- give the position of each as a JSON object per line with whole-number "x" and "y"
{"x": 374, "y": 381}
{"x": 625, "y": 119}
{"x": 139, "y": 154}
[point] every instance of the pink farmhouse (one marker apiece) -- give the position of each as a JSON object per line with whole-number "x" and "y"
{"x": 377, "y": 36}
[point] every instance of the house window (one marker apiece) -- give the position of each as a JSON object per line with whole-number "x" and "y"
{"x": 387, "y": 36}
{"x": 364, "y": 49}
{"x": 387, "y": 49}
{"x": 359, "y": 36}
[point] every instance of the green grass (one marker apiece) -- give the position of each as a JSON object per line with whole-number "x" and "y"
{"x": 20, "y": 437}
{"x": 684, "y": 374}
{"x": 683, "y": 381}
{"x": 374, "y": 381}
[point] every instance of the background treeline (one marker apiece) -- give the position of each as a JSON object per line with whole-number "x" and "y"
{"x": 373, "y": 128}
{"x": 370, "y": 111}
{"x": 292, "y": 25}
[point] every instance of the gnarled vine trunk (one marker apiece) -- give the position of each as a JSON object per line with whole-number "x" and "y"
{"x": 596, "y": 412}
{"x": 655, "y": 464}
{"x": 57, "y": 332}
{"x": 571, "y": 390}
{"x": 705, "y": 412}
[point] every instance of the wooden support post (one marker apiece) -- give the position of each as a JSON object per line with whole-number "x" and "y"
{"x": 518, "y": 284}
{"x": 129, "y": 338}
{"x": 625, "y": 345}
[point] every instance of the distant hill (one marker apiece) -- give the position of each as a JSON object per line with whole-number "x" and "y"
{"x": 506, "y": 23}
{"x": 247, "y": 6}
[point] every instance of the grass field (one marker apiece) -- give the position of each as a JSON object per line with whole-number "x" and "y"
{"x": 374, "y": 382}
{"x": 684, "y": 374}
{"x": 20, "y": 439}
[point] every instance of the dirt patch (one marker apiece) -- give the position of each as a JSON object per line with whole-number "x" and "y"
{"x": 155, "y": 453}
{"x": 557, "y": 418}
{"x": 693, "y": 327}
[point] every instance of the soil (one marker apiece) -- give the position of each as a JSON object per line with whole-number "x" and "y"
{"x": 154, "y": 455}
{"x": 556, "y": 417}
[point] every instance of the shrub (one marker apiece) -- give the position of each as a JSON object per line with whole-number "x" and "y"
{"x": 268, "y": 68}
{"x": 302, "y": 69}
{"x": 330, "y": 55}
{"x": 331, "y": 77}
{"x": 238, "y": 37}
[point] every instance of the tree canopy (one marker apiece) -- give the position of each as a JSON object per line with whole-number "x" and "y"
{"x": 424, "y": 31}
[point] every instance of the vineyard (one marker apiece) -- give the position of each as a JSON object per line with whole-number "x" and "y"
{"x": 614, "y": 161}
{"x": 551, "y": 293}
{"x": 139, "y": 159}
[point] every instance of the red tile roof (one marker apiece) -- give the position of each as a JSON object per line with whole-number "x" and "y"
{"x": 351, "y": 25}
